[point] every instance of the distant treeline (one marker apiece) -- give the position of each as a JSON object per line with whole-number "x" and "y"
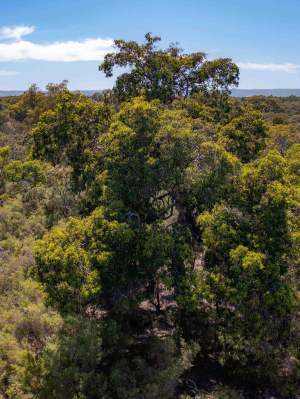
{"x": 234, "y": 92}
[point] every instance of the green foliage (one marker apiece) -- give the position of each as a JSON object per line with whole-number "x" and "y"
{"x": 142, "y": 158}
{"x": 72, "y": 260}
{"x": 244, "y": 136}
{"x": 69, "y": 363}
{"x": 32, "y": 172}
{"x": 68, "y": 133}
{"x": 243, "y": 289}
{"x": 26, "y": 323}
{"x": 150, "y": 234}
{"x": 166, "y": 74}
{"x": 29, "y": 107}
{"x": 76, "y": 365}
{"x": 4, "y": 151}
{"x": 264, "y": 104}
{"x": 211, "y": 176}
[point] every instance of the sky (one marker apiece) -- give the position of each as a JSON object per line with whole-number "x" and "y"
{"x": 44, "y": 41}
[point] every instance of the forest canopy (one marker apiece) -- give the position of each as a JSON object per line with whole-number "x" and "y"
{"x": 150, "y": 235}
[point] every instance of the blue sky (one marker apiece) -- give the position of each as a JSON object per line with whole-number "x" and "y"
{"x": 45, "y": 41}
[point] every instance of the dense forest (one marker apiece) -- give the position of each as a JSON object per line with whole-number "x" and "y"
{"x": 150, "y": 235}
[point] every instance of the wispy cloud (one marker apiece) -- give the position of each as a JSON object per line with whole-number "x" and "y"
{"x": 62, "y": 51}
{"x": 85, "y": 50}
{"x": 285, "y": 67}
{"x": 4, "y": 72}
{"x": 15, "y": 32}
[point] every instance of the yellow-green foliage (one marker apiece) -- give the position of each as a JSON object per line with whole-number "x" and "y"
{"x": 150, "y": 234}
{"x": 25, "y": 323}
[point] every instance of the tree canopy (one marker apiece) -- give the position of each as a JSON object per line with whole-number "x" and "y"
{"x": 166, "y": 74}
{"x": 149, "y": 236}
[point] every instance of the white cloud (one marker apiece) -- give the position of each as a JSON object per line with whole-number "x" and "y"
{"x": 68, "y": 51}
{"x": 18, "y": 49}
{"x": 285, "y": 67}
{"x": 15, "y": 32}
{"x": 4, "y": 72}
